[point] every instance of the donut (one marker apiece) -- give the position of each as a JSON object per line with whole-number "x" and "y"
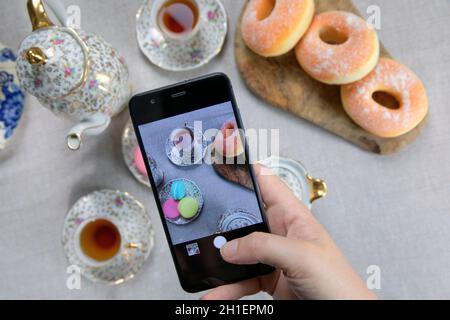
{"x": 405, "y": 107}
{"x": 188, "y": 207}
{"x": 170, "y": 209}
{"x": 273, "y": 27}
{"x": 139, "y": 161}
{"x": 228, "y": 142}
{"x": 338, "y": 48}
{"x": 178, "y": 190}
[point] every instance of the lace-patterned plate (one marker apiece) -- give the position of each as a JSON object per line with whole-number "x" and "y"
{"x": 192, "y": 190}
{"x": 174, "y": 55}
{"x": 236, "y": 219}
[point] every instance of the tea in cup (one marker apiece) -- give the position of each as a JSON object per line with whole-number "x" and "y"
{"x": 99, "y": 241}
{"x": 178, "y": 19}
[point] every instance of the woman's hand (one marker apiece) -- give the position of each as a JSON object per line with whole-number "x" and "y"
{"x": 308, "y": 263}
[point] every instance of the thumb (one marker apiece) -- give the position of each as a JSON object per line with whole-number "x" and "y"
{"x": 266, "y": 248}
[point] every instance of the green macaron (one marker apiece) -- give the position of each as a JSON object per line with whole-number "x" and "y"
{"x": 188, "y": 207}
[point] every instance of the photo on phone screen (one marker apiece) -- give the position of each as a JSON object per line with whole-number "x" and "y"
{"x": 205, "y": 189}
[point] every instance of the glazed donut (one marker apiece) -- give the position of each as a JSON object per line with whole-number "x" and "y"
{"x": 384, "y": 120}
{"x": 273, "y": 27}
{"x": 338, "y": 48}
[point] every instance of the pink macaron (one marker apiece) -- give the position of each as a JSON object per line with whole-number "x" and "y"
{"x": 170, "y": 209}
{"x": 139, "y": 161}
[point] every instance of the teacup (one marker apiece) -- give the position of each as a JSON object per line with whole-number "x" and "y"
{"x": 182, "y": 140}
{"x": 101, "y": 239}
{"x": 125, "y": 240}
{"x": 179, "y": 20}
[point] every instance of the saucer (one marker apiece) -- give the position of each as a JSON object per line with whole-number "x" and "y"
{"x": 192, "y": 190}
{"x": 129, "y": 144}
{"x": 236, "y": 219}
{"x": 295, "y": 175}
{"x": 135, "y": 225}
{"x": 181, "y": 56}
{"x": 196, "y": 157}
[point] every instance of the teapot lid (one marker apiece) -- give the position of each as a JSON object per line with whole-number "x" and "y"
{"x": 52, "y": 62}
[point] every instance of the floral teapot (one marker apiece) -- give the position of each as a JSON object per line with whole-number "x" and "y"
{"x": 73, "y": 73}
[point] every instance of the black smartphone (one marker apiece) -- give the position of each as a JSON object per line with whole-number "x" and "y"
{"x": 205, "y": 190}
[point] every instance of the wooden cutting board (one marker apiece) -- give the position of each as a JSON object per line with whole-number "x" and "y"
{"x": 281, "y": 82}
{"x": 233, "y": 172}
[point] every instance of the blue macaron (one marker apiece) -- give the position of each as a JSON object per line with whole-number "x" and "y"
{"x": 178, "y": 190}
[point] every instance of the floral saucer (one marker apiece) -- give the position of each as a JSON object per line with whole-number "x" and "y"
{"x": 192, "y": 190}
{"x": 174, "y": 55}
{"x": 11, "y": 96}
{"x": 136, "y": 231}
{"x": 236, "y": 219}
{"x": 129, "y": 144}
{"x": 295, "y": 175}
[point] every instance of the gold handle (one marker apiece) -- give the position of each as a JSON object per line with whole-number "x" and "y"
{"x": 132, "y": 245}
{"x": 318, "y": 188}
{"x": 38, "y": 16}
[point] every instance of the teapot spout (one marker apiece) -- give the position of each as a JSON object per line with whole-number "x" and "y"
{"x": 94, "y": 125}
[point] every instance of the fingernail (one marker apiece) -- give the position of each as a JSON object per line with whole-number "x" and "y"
{"x": 229, "y": 249}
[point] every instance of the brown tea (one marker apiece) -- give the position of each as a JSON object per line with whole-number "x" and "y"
{"x": 179, "y": 16}
{"x": 100, "y": 240}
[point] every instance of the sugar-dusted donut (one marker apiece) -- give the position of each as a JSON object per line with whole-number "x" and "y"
{"x": 273, "y": 27}
{"x": 338, "y": 48}
{"x": 398, "y": 82}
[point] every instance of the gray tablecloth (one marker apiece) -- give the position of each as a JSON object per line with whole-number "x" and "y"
{"x": 391, "y": 211}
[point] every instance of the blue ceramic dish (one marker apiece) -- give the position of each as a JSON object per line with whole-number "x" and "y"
{"x": 11, "y": 96}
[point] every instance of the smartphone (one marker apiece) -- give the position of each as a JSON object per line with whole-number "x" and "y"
{"x": 202, "y": 204}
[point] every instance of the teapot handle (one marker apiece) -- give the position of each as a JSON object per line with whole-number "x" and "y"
{"x": 38, "y": 15}
{"x": 58, "y": 9}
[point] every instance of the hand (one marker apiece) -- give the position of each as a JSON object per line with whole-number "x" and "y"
{"x": 308, "y": 263}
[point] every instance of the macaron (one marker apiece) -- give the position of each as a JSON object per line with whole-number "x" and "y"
{"x": 139, "y": 161}
{"x": 178, "y": 190}
{"x": 188, "y": 207}
{"x": 170, "y": 209}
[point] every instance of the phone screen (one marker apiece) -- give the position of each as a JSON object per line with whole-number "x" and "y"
{"x": 205, "y": 189}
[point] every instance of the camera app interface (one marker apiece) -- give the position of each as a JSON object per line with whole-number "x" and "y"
{"x": 197, "y": 160}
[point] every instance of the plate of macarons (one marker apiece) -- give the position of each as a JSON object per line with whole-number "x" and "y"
{"x": 182, "y": 201}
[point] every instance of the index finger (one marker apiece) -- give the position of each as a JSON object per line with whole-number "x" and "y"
{"x": 273, "y": 190}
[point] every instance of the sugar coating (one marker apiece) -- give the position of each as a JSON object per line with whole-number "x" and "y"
{"x": 326, "y": 62}
{"x": 263, "y": 36}
{"x": 396, "y": 79}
